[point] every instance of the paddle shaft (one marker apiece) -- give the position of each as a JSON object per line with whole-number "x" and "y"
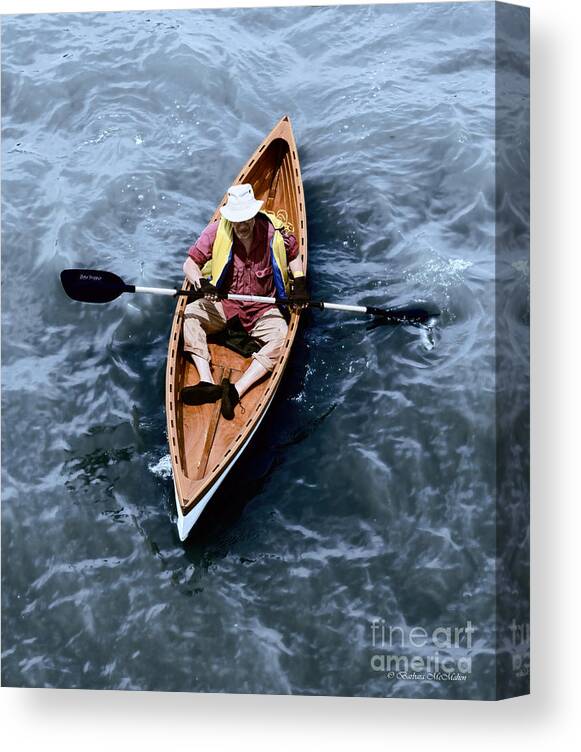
{"x": 97, "y": 286}
{"x": 257, "y": 299}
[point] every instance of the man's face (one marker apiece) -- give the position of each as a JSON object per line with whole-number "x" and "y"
{"x": 244, "y": 230}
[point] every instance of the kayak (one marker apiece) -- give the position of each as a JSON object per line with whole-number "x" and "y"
{"x": 204, "y": 447}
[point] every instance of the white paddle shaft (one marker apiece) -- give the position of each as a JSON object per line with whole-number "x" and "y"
{"x": 273, "y": 301}
{"x": 253, "y": 299}
{"x": 156, "y": 290}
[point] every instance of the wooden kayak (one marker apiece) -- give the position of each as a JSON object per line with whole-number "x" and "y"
{"x": 203, "y": 446}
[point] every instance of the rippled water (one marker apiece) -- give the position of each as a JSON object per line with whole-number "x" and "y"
{"x": 370, "y": 493}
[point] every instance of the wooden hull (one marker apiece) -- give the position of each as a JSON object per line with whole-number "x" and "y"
{"x": 203, "y": 446}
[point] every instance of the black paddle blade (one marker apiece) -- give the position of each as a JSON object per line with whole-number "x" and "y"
{"x": 91, "y": 286}
{"x": 410, "y": 315}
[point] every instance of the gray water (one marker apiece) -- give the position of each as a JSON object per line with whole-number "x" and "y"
{"x": 370, "y": 494}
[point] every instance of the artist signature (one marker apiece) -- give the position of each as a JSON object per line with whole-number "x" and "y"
{"x": 426, "y": 676}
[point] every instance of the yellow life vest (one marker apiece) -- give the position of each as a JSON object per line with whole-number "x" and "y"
{"x": 217, "y": 267}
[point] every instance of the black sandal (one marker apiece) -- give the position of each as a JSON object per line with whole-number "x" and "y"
{"x": 230, "y": 399}
{"x": 201, "y": 394}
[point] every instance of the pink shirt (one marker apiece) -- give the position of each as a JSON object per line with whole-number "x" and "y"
{"x": 250, "y": 274}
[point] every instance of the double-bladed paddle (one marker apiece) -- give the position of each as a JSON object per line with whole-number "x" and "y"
{"x": 91, "y": 286}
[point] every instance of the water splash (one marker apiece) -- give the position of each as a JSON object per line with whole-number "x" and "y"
{"x": 161, "y": 468}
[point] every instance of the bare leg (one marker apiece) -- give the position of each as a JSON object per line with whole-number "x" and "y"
{"x": 201, "y": 318}
{"x": 204, "y": 370}
{"x": 270, "y": 330}
{"x": 251, "y": 375}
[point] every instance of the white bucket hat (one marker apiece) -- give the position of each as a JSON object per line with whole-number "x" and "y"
{"x": 241, "y": 205}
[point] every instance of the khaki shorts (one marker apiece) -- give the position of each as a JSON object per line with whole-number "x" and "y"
{"x": 204, "y": 317}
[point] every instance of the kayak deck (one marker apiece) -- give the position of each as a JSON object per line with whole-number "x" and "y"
{"x": 203, "y": 445}
{"x": 205, "y": 439}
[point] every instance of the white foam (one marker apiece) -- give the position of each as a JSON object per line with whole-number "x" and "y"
{"x": 161, "y": 468}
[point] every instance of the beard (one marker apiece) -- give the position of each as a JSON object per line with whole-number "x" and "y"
{"x": 246, "y": 231}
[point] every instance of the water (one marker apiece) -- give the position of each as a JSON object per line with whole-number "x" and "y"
{"x": 370, "y": 493}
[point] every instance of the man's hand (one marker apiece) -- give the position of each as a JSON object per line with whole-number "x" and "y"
{"x": 299, "y": 296}
{"x": 193, "y": 273}
{"x": 206, "y": 287}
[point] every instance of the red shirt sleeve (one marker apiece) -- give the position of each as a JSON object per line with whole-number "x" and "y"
{"x": 201, "y": 251}
{"x": 292, "y": 247}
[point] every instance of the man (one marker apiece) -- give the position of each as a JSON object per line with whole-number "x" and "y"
{"x": 250, "y": 254}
